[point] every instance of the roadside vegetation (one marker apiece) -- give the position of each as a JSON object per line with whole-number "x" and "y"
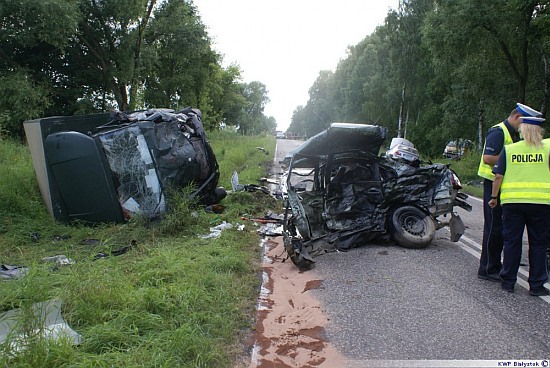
{"x": 170, "y": 299}
{"x": 434, "y": 72}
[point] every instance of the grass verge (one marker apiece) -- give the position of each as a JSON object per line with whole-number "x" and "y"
{"x": 170, "y": 299}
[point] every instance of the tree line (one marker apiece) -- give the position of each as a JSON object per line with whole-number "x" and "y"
{"x": 67, "y": 57}
{"x": 438, "y": 70}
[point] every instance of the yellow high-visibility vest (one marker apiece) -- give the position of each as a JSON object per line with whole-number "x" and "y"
{"x": 485, "y": 170}
{"x": 527, "y": 177}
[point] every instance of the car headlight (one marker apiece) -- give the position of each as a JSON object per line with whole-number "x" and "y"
{"x": 455, "y": 181}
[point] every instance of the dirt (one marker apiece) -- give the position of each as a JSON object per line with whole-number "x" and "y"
{"x": 290, "y": 322}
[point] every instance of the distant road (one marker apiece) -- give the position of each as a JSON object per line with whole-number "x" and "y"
{"x": 386, "y": 302}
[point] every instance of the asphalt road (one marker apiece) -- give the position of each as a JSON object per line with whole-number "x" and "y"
{"x": 386, "y": 302}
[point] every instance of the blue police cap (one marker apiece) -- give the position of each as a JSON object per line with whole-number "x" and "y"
{"x": 531, "y": 120}
{"x": 527, "y": 111}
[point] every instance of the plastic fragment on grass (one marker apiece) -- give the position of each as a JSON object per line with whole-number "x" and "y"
{"x": 271, "y": 229}
{"x": 8, "y": 272}
{"x": 59, "y": 260}
{"x": 46, "y": 322}
{"x": 235, "y": 182}
{"x": 216, "y": 231}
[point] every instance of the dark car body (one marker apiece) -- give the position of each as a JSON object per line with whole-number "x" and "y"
{"x": 110, "y": 167}
{"x": 341, "y": 194}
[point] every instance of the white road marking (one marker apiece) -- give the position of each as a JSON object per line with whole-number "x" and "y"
{"x": 474, "y": 248}
{"x": 475, "y": 199}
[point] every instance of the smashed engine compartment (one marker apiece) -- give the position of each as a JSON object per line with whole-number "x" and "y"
{"x": 341, "y": 194}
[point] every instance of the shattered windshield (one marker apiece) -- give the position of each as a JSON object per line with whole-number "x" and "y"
{"x": 136, "y": 179}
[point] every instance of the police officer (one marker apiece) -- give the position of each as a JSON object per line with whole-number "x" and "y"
{"x": 522, "y": 174}
{"x": 497, "y": 137}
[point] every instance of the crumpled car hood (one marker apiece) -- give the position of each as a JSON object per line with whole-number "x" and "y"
{"x": 341, "y": 137}
{"x": 341, "y": 193}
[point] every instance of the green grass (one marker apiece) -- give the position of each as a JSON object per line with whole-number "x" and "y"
{"x": 173, "y": 300}
{"x": 249, "y": 157}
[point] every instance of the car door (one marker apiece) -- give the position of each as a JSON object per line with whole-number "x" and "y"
{"x": 353, "y": 192}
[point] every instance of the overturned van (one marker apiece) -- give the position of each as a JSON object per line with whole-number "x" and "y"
{"x": 341, "y": 194}
{"x": 109, "y": 167}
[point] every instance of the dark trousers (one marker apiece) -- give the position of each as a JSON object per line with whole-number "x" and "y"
{"x": 491, "y": 246}
{"x": 515, "y": 216}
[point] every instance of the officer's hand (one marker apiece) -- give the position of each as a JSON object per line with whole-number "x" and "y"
{"x": 492, "y": 203}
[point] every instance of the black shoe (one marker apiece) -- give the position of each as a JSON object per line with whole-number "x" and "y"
{"x": 495, "y": 277}
{"x": 508, "y": 289}
{"x": 538, "y": 291}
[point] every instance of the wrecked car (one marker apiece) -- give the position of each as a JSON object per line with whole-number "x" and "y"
{"x": 457, "y": 149}
{"x": 341, "y": 194}
{"x": 110, "y": 167}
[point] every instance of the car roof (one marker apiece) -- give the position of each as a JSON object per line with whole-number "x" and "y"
{"x": 342, "y": 137}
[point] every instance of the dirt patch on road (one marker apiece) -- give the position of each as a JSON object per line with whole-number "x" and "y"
{"x": 290, "y": 323}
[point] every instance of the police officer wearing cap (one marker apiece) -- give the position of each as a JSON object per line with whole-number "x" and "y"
{"x": 522, "y": 174}
{"x": 497, "y": 137}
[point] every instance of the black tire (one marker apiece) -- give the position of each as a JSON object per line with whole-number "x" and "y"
{"x": 299, "y": 256}
{"x": 411, "y": 227}
{"x": 302, "y": 263}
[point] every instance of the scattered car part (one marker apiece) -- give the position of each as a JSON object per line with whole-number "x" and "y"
{"x": 266, "y": 152}
{"x": 59, "y": 260}
{"x": 8, "y": 272}
{"x": 402, "y": 149}
{"x": 216, "y": 231}
{"x": 261, "y": 220}
{"x": 47, "y": 324}
{"x": 246, "y": 187}
{"x": 116, "y": 252}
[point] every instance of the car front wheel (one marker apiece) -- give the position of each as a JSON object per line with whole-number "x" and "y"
{"x": 411, "y": 227}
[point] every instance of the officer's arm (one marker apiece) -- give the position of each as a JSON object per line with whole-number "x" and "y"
{"x": 496, "y": 185}
{"x": 490, "y": 159}
{"x": 494, "y": 142}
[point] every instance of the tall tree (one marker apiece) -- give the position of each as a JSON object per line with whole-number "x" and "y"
{"x": 319, "y": 105}
{"x": 481, "y": 49}
{"x": 31, "y": 55}
{"x": 252, "y": 117}
{"x": 111, "y": 36}
{"x": 104, "y": 54}
{"x": 222, "y": 101}
{"x": 408, "y": 73}
{"x": 183, "y": 58}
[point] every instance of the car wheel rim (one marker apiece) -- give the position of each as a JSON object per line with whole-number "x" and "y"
{"x": 413, "y": 224}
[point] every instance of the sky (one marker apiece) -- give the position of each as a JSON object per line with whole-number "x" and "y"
{"x": 284, "y": 44}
